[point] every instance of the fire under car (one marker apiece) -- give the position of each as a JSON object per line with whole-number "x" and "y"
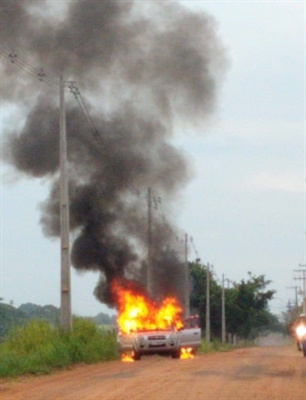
{"x": 169, "y": 341}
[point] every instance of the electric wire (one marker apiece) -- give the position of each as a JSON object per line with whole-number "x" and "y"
{"x": 194, "y": 248}
{"x": 39, "y": 73}
{"x": 101, "y": 142}
{"x": 21, "y": 62}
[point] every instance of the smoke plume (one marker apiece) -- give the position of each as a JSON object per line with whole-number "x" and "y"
{"x": 141, "y": 67}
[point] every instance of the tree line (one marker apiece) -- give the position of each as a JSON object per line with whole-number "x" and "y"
{"x": 246, "y": 304}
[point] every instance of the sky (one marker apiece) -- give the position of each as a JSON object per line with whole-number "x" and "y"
{"x": 244, "y": 207}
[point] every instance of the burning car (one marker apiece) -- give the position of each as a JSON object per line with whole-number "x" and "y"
{"x": 147, "y": 328}
{"x": 168, "y": 341}
{"x": 143, "y": 342}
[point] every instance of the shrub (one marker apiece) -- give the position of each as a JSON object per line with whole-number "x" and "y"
{"x": 36, "y": 333}
{"x": 38, "y": 347}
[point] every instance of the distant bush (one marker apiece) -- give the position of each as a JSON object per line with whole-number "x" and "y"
{"x": 38, "y": 347}
{"x": 10, "y": 317}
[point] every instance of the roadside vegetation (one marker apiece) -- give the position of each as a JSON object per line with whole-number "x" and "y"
{"x": 39, "y": 348}
{"x": 213, "y": 346}
{"x": 246, "y": 305}
{"x": 216, "y": 345}
{"x": 11, "y": 316}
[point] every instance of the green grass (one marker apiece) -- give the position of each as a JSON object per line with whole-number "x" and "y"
{"x": 39, "y": 348}
{"x": 214, "y": 346}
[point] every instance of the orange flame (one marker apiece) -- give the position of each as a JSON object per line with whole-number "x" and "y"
{"x": 136, "y": 312}
{"x": 186, "y": 353}
{"x": 127, "y": 357}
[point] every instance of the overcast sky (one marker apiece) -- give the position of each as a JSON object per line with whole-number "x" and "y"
{"x": 245, "y": 207}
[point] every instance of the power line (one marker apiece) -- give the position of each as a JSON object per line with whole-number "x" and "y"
{"x": 98, "y": 137}
{"x": 194, "y": 248}
{"x": 23, "y": 64}
{"x": 40, "y": 74}
{"x": 158, "y": 205}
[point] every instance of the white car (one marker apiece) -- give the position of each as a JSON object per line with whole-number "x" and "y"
{"x": 163, "y": 341}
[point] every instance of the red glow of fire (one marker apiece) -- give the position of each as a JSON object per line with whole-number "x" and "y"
{"x": 138, "y": 313}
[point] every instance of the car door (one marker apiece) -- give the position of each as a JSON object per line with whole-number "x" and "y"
{"x": 190, "y": 337}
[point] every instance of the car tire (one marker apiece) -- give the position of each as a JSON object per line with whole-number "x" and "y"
{"x": 136, "y": 356}
{"x": 176, "y": 354}
{"x": 304, "y": 348}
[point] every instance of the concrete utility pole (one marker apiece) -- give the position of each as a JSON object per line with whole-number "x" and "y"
{"x": 228, "y": 282}
{"x": 223, "y": 312}
{"x": 65, "y": 308}
{"x": 187, "y": 283}
{"x": 296, "y": 296}
{"x": 149, "y": 261}
{"x": 207, "y": 303}
{"x": 303, "y": 278}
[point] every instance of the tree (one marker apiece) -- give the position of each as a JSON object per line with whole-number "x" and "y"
{"x": 248, "y": 311}
{"x": 198, "y": 274}
{"x": 246, "y": 303}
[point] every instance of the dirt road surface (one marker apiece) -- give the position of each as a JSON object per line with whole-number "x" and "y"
{"x": 244, "y": 374}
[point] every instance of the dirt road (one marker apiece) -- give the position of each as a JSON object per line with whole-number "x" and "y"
{"x": 255, "y": 373}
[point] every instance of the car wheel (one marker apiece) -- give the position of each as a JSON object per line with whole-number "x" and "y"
{"x": 304, "y": 348}
{"x": 136, "y": 356}
{"x": 176, "y": 354}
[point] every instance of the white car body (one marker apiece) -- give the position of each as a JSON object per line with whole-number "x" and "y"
{"x": 163, "y": 342}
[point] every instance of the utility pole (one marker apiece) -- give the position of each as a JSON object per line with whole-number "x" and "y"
{"x": 223, "y": 312}
{"x": 296, "y": 296}
{"x": 303, "y": 278}
{"x": 65, "y": 308}
{"x": 187, "y": 284}
{"x": 228, "y": 282}
{"x": 207, "y": 303}
{"x": 150, "y": 267}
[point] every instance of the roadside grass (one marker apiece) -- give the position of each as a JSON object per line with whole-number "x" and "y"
{"x": 216, "y": 345}
{"x": 38, "y": 348}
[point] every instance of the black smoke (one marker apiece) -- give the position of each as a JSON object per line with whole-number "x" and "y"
{"x": 142, "y": 67}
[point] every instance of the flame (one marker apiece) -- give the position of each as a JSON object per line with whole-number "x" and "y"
{"x": 186, "y": 353}
{"x": 128, "y": 357}
{"x": 137, "y": 312}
